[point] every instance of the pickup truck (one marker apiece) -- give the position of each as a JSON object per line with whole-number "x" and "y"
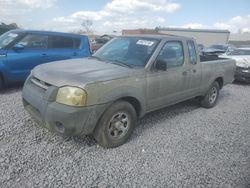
{"x": 105, "y": 94}
{"x": 22, "y": 50}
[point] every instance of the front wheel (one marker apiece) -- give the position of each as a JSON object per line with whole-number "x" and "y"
{"x": 116, "y": 125}
{"x": 210, "y": 99}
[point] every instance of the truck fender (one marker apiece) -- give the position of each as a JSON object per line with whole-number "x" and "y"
{"x": 131, "y": 94}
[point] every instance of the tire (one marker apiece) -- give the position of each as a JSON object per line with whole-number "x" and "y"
{"x": 1, "y": 83}
{"x": 211, "y": 97}
{"x": 116, "y": 125}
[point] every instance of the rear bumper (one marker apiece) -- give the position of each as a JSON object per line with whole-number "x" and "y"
{"x": 242, "y": 74}
{"x": 59, "y": 118}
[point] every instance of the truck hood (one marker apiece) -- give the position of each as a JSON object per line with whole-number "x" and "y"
{"x": 79, "y": 72}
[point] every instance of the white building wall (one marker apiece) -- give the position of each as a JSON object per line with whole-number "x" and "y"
{"x": 239, "y": 37}
{"x": 206, "y": 38}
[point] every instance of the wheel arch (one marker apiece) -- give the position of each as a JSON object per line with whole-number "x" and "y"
{"x": 135, "y": 103}
{"x": 220, "y": 81}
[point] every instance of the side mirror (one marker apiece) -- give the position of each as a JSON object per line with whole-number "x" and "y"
{"x": 161, "y": 65}
{"x": 18, "y": 47}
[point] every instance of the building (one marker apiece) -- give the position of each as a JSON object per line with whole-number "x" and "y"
{"x": 140, "y": 31}
{"x": 206, "y": 37}
{"x": 239, "y": 39}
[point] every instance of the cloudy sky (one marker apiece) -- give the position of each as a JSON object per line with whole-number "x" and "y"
{"x": 110, "y": 15}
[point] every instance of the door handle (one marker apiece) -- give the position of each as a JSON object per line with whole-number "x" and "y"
{"x": 184, "y": 73}
{"x": 194, "y": 70}
{"x": 43, "y": 55}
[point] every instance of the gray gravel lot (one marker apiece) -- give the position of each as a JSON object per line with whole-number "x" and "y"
{"x": 180, "y": 146}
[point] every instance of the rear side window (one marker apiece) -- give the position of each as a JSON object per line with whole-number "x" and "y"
{"x": 33, "y": 41}
{"x": 60, "y": 42}
{"x": 192, "y": 52}
{"x": 77, "y": 43}
{"x": 172, "y": 53}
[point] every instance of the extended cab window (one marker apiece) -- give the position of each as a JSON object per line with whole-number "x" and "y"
{"x": 61, "y": 42}
{"x": 172, "y": 53}
{"x": 192, "y": 52}
{"x": 33, "y": 41}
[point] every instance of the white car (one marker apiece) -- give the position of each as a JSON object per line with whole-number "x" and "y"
{"x": 242, "y": 58}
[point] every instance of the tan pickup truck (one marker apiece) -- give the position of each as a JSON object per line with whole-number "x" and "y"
{"x": 105, "y": 94}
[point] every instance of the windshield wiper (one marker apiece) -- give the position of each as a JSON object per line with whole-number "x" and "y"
{"x": 117, "y": 62}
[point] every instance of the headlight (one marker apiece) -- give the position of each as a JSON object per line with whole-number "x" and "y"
{"x": 242, "y": 65}
{"x": 71, "y": 96}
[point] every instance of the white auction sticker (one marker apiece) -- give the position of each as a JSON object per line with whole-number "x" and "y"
{"x": 145, "y": 42}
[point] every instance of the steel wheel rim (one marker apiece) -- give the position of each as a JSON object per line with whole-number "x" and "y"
{"x": 119, "y": 125}
{"x": 213, "y": 95}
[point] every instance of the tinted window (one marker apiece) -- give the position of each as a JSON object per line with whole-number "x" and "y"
{"x": 220, "y": 47}
{"x": 61, "y": 42}
{"x": 32, "y": 41}
{"x": 172, "y": 54}
{"x": 192, "y": 52}
{"x": 77, "y": 43}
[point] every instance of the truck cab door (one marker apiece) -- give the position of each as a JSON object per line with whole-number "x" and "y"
{"x": 29, "y": 52}
{"x": 195, "y": 69}
{"x": 165, "y": 87}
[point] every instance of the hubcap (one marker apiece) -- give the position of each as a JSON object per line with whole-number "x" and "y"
{"x": 213, "y": 95}
{"x": 119, "y": 125}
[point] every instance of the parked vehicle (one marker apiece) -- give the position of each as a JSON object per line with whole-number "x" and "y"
{"x": 98, "y": 43}
{"x": 218, "y": 49}
{"x": 245, "y": 46}
{"x": 22, "y": 50}
{"x": 105, "y": 94}
{"x": 242, "y": 58}
{"x": 200, "y": 47}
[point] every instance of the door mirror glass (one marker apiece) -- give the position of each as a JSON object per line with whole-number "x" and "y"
{"x": 161, "y": 65}
{"x": 18, "y": 46}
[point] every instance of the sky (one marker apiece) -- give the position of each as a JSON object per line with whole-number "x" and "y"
{"x": 114, "y": 15}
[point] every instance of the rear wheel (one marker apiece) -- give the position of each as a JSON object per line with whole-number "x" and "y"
{"x": 116, "y": 125}
{"x": 210, "y": 99}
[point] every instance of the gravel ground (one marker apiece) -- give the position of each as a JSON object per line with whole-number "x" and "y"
{"x": 180, "y": 146}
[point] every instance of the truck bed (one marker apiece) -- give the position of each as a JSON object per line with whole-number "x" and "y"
{"x": 221, "y": 67}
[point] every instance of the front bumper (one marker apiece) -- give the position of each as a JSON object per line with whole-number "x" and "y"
{"x": 59, "y": 118}
{"x": 242, "y": 74}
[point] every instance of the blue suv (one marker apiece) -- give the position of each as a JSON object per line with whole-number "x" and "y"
{"x": 22, "y": 50}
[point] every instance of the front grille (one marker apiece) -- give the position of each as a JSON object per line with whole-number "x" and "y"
{"x": 39, "y": 83}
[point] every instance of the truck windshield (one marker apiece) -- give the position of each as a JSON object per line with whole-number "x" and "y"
{"x": 129, "y": 51}
{"x": 7, "y": 38}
